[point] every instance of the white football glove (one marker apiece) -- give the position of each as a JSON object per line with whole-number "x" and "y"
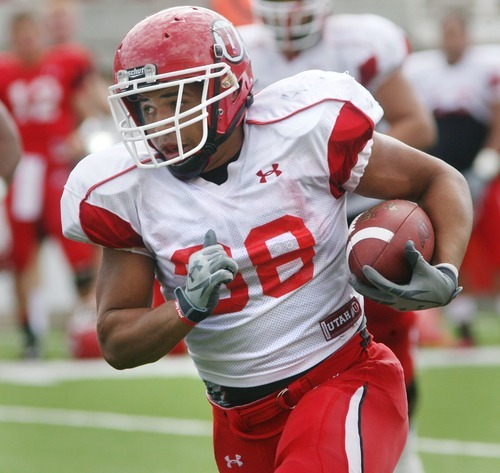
{"x": 430, "y": 286}
{"x": 484, "y": 168}
{"x": 207, "y": 269}
{"x": 486, "y": 164}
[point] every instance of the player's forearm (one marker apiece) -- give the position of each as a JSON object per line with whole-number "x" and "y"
{"x": 134, "y": 337}
{"x": 448, "y": 204}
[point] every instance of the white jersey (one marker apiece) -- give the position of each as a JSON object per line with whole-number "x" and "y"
{"x": 280, "y": 215}
{"x": 470, "y": 86}
{"x": 369, "y": 47}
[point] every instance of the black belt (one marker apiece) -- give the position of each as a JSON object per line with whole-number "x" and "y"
{"x": 226, "y": 396}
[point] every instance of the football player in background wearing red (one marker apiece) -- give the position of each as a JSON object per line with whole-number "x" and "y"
{"x": 293, "y": 36}
{"x": 43, "y": 88}
{"x": 237, "y": 204}
{"x": 62, "y": 21}
{"x": 459, "y": 82}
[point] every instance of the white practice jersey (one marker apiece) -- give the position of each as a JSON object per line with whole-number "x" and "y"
{"x": 369, "y": 47}
{"x": 280, "y": 215}
{"x": 469, "y": 87}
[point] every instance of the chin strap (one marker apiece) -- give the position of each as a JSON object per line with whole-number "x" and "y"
{"x": 193, "y": 166}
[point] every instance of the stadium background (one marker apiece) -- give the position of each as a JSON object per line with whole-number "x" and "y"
{"x": 105, "y": 22}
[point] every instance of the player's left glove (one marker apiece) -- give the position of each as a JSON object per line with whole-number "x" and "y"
{"x": 430, "y": 286}
{"x": 207, "y": 269}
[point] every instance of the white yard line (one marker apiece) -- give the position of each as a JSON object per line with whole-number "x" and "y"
{"x": 448, "y": 357}
{"x": 458, "y": 448}
{"x": 57, "y": 371}
{"x": 105, "y": 420}
{"x": 47, "y": 372}
{"x": 196, "y": 428}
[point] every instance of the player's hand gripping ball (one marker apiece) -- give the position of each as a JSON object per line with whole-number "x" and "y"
{"x": 377, "y": 238}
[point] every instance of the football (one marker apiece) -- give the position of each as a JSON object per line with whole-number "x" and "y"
{"x": 377, "y": 238}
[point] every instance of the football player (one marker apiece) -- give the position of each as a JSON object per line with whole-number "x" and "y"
{"x": 61, "y": 19}
{"x": 294, "y": 36}
{"x": 237, "y": 205}
{"x": 40, "y": 87}
{"x": 460, "y": 83}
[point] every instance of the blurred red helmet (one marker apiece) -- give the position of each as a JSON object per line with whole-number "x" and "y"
{"x": 172, "y": 48}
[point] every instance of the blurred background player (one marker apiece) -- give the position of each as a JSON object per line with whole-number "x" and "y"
{"x": 95, "y": 131}
{"x": 460, "y": 84}
{"x": 43, "y": 87}
{"x": 61, "y": 19}
{"x": 293, "y": 36}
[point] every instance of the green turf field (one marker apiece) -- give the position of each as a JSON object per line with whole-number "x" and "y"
{"x": 79, "y": 418}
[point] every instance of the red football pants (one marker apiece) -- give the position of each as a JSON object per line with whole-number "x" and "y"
{"x": 355, "y": 420}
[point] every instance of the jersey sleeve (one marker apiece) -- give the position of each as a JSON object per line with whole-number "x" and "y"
{"x": 349, "y": 148}
{"x": 335, "y": 109}
{"x": 376, "y": 46}
{"x": 97, "y": 207}
{"x": 391, "y": 46}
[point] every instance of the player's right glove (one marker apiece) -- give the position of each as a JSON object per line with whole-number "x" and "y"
{"x": 430, "y": 286}
{"x": 207, "y": 269}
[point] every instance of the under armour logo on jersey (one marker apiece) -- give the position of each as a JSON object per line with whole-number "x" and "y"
{"x": 264, "y": 175}
{"x": 236, "y": 461}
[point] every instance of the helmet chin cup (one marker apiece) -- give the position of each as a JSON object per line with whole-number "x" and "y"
{"x": 192, "y": 167}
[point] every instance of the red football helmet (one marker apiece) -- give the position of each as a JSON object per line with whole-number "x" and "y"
{"x": 296, "y": 24}
{"x": 172, "y": 48}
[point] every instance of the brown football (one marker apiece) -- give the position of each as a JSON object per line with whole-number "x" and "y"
{"x": 377, "y": 238}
